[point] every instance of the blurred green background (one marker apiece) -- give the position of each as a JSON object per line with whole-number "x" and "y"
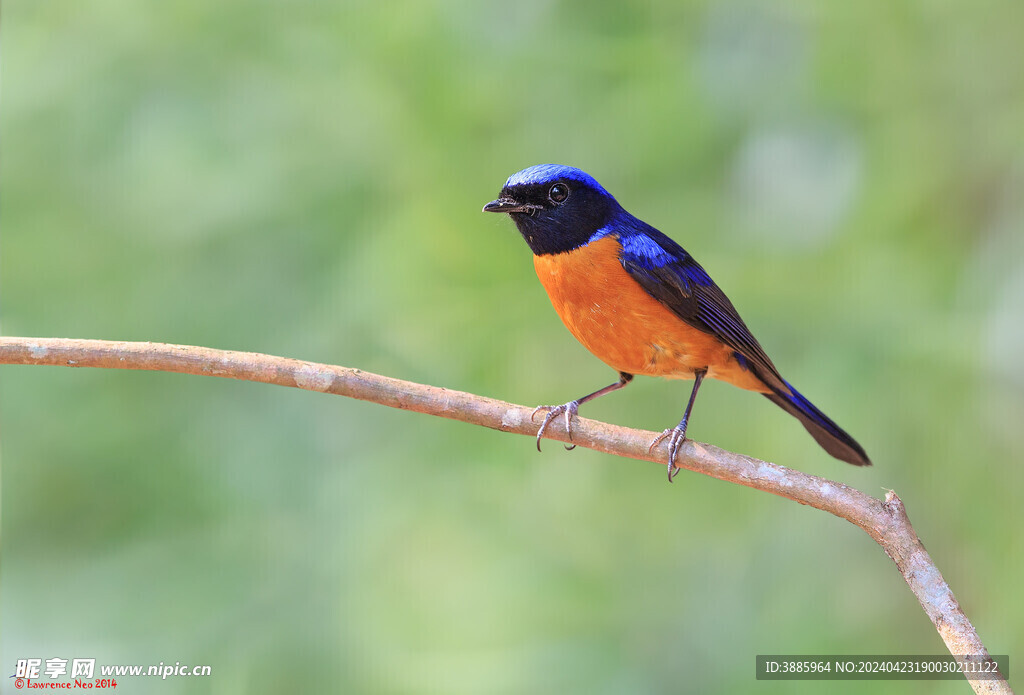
{"x": 305, "y": 179}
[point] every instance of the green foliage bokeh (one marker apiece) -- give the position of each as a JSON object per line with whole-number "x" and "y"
{"x": 305, "y": 179}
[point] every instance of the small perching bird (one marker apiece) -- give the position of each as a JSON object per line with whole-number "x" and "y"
{"x": 641, "y": 304}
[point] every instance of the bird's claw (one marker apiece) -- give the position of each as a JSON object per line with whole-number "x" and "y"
{"x": 676, "y": 436}
{"x": 569, "y": 409}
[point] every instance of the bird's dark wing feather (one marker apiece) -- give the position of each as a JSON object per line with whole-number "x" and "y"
{"x": 670, "y": 275}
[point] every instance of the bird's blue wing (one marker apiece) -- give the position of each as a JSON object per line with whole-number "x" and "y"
{"x": 670, "y": 275}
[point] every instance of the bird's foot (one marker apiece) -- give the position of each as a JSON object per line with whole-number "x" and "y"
{"x": 569, "y": 409}
{"x": 676, "y": 436}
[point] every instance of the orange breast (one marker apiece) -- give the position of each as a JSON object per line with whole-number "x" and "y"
{"x": 626, "y": 328}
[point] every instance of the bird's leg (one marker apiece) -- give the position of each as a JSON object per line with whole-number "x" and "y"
{"x": 678, "y": 433}
{"x": 570, "y": 409}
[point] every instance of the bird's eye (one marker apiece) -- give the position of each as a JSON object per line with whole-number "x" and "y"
{"x": 558, "y": 193}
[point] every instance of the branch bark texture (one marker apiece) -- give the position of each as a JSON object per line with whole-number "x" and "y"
{"x": 886, "y": 521}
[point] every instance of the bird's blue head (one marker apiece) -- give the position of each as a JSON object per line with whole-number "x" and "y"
{"x": 556, "y": 208}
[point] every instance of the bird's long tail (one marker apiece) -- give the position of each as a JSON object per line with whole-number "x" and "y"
{"x": 828, "y": 434}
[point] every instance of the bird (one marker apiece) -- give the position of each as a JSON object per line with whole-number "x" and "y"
{"x": 641, "y": 304}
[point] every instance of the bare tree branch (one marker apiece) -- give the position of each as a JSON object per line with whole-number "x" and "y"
{"x": 885, "y": 520}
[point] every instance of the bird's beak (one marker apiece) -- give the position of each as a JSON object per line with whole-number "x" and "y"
{"x": 507, "y": 205}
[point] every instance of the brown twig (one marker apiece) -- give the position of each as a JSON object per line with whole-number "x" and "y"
{"x": 885, "y": 521}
